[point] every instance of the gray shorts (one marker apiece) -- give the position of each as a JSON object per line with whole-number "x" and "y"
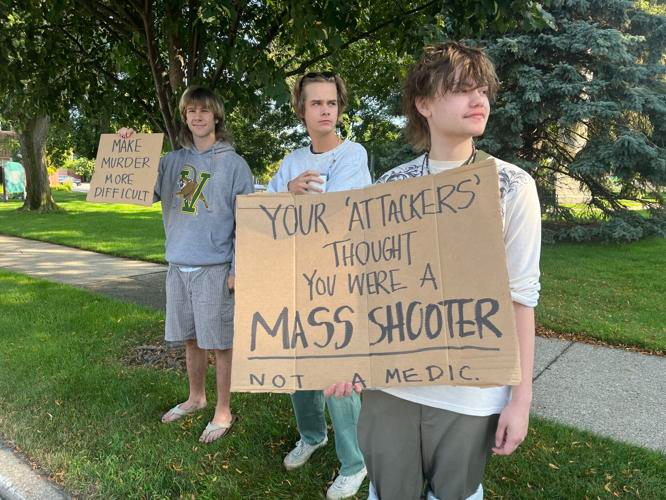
{"x": 408, "y": 447}
{"x": 200, "y": 306}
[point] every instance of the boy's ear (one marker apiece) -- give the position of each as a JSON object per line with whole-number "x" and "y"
{"x": 423, "y": 106}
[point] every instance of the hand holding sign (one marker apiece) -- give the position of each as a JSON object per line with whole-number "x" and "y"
{"x": 126, "y": 132}
{"x": 126, "y": 168}
{"x": 342, "y": 390}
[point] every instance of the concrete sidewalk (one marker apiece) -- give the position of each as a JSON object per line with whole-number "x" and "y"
{"x": 18, "y": 481}
{"x": 114, "y": 276}
{"x": 611, "y": 392}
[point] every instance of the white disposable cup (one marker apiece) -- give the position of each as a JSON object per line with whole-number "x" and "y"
{"x": 322, "y": 186}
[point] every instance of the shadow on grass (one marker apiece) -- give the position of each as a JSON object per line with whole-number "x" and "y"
{"x": 71, "y": 404}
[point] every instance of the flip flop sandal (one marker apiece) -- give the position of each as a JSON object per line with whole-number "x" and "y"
{"x": 179, "y": 413}
{"x": 212, "y": 428}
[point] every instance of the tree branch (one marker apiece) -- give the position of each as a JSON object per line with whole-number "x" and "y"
{"x": 361, "y": 36}
{"x": 273, "y": 31}
{"x": 119, "y": 84}
{"x": 233, "y": 33}
{"x": 111, "y": 17}
{"x": 194, "y": 45}
{"x": 162, "y": 88}
{"x": 114, "y": 28}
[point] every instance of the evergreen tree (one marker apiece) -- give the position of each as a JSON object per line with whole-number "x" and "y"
{"x": 586, "y": 98}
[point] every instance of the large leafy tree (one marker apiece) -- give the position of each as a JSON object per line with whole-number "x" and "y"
{"x": 41, "y": 79}
{"x": 586, "y": 99}
{"x": 248, "y": 50}
{"x": 103, "y": 62}
{"x": 22, "y": 44}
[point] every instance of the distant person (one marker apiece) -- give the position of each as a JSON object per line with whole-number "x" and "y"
{"x": 440, "y": 437}
{"x": 327, "y": 164}
{"x": 198, "y": 185}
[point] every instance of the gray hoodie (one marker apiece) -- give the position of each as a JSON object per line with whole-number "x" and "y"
{"x": 198, "y": 191}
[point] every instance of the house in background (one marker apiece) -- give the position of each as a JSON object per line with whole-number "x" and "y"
{"x": 569, "y": 191}
{"x": 64, "y": 176}
{"x": 5, "y": 136}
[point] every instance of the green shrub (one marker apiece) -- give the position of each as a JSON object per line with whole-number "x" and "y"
{"x": 82, "y": 166}
{"x": 623, "y": 227}
{"x": 67, "y": 186}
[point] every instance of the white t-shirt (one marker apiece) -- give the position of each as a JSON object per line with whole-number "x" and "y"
{"x": 346, "y": 166}
{"x": 521, "y": 218}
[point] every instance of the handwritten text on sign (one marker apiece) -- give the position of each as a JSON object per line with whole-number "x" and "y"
{"x": 393, "y": 285}
{"x": 126, "y": 169}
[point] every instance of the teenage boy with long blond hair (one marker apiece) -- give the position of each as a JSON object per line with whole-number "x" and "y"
{"x": 197, "y": 186}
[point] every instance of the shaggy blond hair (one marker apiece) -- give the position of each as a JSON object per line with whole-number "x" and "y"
{"x": 197, "y": 95}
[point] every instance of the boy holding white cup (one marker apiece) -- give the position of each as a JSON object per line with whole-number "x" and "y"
{"x": 319, "y": 100}
{"x": 327, "y": 164}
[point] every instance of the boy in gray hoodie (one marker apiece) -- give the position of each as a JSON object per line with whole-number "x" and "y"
{"x": 197, "y": 186}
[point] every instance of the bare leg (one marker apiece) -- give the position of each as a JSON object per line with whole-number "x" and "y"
{"x": 223, "y": 380}
{"x": 222, "y": 415}
{"x": 196, "y": 360}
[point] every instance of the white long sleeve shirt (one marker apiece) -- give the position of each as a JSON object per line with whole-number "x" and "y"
{"x": 521, "y": 218}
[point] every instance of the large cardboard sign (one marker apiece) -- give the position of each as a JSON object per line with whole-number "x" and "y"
{"x": 126, "y": 169}
{"x": 400, "y": 284}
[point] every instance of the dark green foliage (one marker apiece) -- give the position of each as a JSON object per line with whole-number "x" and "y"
{"x": 42, "y": 78}
{"x": 126, "y": 62}
{"x": 246, "y": 51}
{"x": 623, "y": 226}
{"x": 586, "y": 99}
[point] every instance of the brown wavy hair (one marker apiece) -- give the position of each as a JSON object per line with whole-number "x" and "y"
{"x": 442, "y": 68}
{"x": 202, "y": 96}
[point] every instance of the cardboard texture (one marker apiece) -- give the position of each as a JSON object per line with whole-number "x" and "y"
{"x": 126, "y": 169}
{"x": 397, "y": 284}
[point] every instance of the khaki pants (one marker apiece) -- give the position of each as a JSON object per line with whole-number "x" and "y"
{"x": 408, "y": 446}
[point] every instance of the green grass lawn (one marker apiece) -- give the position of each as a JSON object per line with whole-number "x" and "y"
{"x": 69, "y": 401}
{"x": 586, "y": 211}
{"x": 614, "y": 293}
{"x": 125, "y": 230}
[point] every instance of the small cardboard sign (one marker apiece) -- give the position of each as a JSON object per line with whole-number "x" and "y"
{"x": 126, "y": 169}
{"x": 14, "y": 177}
{"x": 399, "y": 284}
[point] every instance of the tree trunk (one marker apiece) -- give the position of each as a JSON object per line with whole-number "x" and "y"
{"x": 33, "y": 147}
{"x": 162, "y": 86}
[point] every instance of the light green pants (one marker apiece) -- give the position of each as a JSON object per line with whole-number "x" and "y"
{"x": 311, "y": 421}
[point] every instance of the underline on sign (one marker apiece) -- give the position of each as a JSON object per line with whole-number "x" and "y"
{"x": 394, "y": 353}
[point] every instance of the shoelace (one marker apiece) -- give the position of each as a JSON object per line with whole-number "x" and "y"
{"x": 300, "y": 448}
{"x": 341, "y": 481}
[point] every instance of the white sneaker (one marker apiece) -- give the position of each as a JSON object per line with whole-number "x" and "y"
{"x": 346, "y": 486}
{"x": 301, "y": 453}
